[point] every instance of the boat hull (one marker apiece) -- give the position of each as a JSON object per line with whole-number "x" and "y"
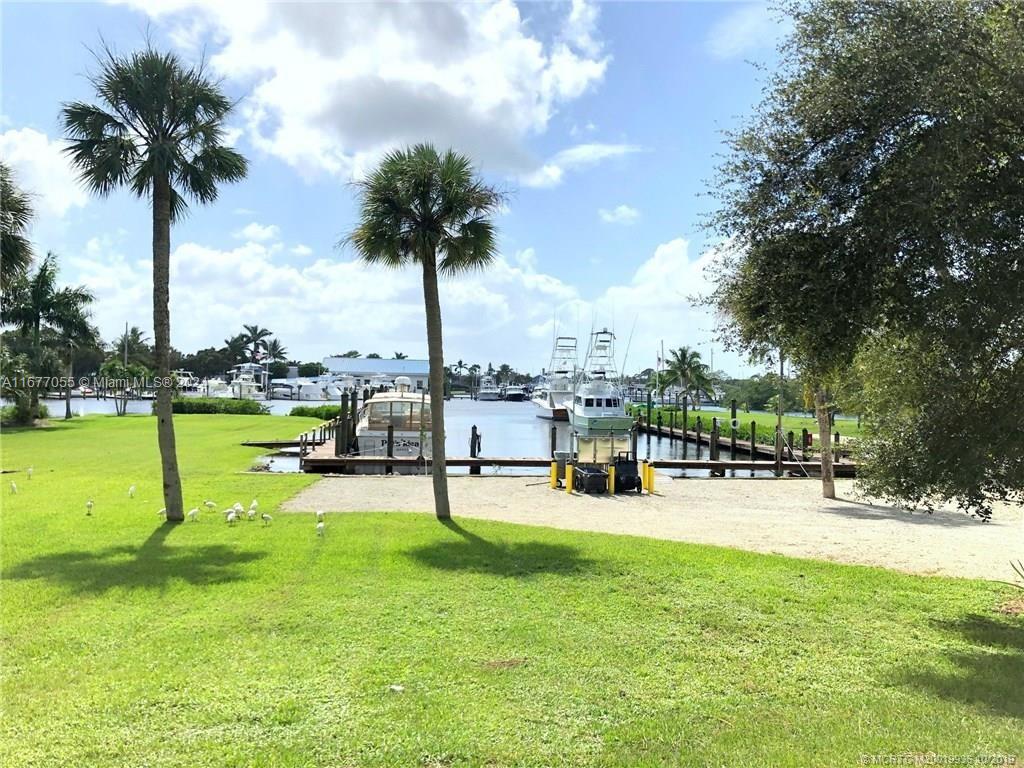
{"x": 599, "y": 424}
{"x": 551, "y": 414}
{"x": 488, "y": 396}
{"x": 515, "y": 397}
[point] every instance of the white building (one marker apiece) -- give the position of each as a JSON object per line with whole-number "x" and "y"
{"x": 364, "y": 369}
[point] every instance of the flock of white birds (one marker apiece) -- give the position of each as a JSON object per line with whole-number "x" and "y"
{"x": 232, "y": 514}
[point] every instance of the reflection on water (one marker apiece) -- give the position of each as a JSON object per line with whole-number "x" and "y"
{"x": 506, "y": 430}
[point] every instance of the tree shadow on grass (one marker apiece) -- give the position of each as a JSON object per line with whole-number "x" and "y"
{"x": 153, "y": 565}
{"x": 522, "y": 560}
{"x": 989, "y": 674}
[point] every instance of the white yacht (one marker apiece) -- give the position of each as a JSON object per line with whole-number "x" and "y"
{"x": 186, "y": 380}
{"x": 245, "y": 383}
{"x": 555, "y": 389}
{"x": 488, "y": 389}
{"x": 598, "y": 405}
{"x": 309, "y": 390}
{"x": 514, "y": 393}
{"x": 214, "y": 387}
{"x": 405, "y": 410}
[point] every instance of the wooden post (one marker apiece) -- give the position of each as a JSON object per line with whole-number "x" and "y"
{"x": 341, "y": 437}
{"x": 354, "y": 417}
{"x": 732, "y": 429}
{"x": 661, "y": 422}
{"x": 789, "y": 444}
{"x": 474, "y": 441}
{"x": 634, "y": 438}
{"x": 672, "y": 424}
{"x": 778, "y": 452}
{"x": 554, "y": 440}
{"x": 804, "y": 443}
{"x": 837, "y": 441}
{"x": 686, "y": 422}
{"x": 650, "y": 405}
{"x": 713, "y": 452}
{"x": 389, "y": 469}
{"x": 699, "y": 426}
{"x": 753, "y": 444}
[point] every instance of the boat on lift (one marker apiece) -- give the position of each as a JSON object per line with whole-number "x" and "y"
{"x": 555, "y": 388}
{"x": 598, "y": 405}
{"x": 408, "y": 412}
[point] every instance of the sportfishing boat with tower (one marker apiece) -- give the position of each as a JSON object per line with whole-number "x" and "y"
{"x": 555, "y": 389}
{"x": 597, "y": 405}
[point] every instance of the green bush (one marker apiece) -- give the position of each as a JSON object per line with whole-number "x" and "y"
{"x": 217, "y": 405}
{"x": 322, "y": 412}
{"x": 18, "y": 414}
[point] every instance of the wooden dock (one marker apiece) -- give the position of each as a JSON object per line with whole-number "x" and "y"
{"x": 323, "y": 460}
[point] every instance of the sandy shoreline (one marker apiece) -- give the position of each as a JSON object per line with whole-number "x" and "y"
{"x": 784, "y": 516}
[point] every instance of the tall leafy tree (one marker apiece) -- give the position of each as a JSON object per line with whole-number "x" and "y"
{"x": 428, "y": 209}
{"x": 15, "y": 217}
{"x": 48, "y": 316}
{"x": 158, "y": 130}
{"x": 875, "y": 195}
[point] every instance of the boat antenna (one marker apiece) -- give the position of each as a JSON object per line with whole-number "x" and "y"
{"x": 629, "y": 341}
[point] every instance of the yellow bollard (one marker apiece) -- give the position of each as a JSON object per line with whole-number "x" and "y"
{"x": 650, "y": 478}
{"x": 643, "y": 475}
{"x": 554, "y": 474}
{"x": 568, "y": 477}
{"x": 611, "y": 478}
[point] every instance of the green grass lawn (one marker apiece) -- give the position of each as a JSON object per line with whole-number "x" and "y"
{"x": 127, "y": 642}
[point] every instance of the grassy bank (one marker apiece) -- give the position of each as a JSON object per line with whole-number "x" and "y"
{"x": 129, "y": 642}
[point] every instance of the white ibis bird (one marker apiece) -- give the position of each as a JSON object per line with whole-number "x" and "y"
{"x": 193, "y": 514}
{"x": 320, "y": 528}
{"x": 210, "y": 504}
{"x": 131, "y": 491}
{"x": 251, "y": 514}
{"x": 238, "y": 507}
{"x": 29, "y": 472}
{"x": 162, "y": 512}
{"x": 266, "y": 518}
{"x": 88, "y": 507}
{"x": 254, "y": 504}
{"x": 14, "y": 487}
{"x": 232, "y": 517}
{"x": 319, "y": 514}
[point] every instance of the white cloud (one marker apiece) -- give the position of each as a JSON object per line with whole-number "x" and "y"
{"x": 504, "y": 312}
{"x": 745, "y": 29}
{"x": 243, "y": 212}
{"x": 301, "y": 250}
{"x": 334, "y": 85}
{"x": 259, "y": 233}
{"x": 620, "y": 214}
{"x": 43, "y": 170}
{"x": 580, "y": 156}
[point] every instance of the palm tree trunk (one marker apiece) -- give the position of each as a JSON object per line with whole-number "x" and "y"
{"x": 67, "y": 389}
{"x": 162, "y": 339}
{"x": 435, "y": 353}
{"x": 828, "y": 482}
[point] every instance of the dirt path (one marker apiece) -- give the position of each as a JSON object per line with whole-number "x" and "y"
{"x": 784, "y": 516}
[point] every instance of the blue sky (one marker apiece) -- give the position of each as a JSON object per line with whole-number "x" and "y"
{"x": 602, "y": 121}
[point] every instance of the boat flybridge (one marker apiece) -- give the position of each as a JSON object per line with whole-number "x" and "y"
{"x": 488, "y": 389}
{"x": 407, "y": 411}
{"x": 597, "y": 405}
{"x": 555, "y": 389}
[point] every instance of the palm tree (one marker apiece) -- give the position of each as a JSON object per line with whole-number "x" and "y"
{"x": 276, "y": 351}
{"x": 137, "y": 345}
{"x": 693, "y": 375}
{"x": 255, "y": 340}
{"x": 235, "y": 348}
{"x": 76, "y": 334}
{"x": 428, "y": 209}
{"x": 159, "y": 132}
{"x": 38, "y": 309}
{"x": 15, "y": 216}
{"x": 400, "y": 356}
